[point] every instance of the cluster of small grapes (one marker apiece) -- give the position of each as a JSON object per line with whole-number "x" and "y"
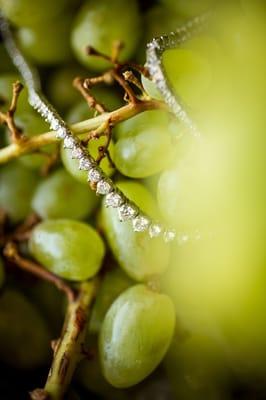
{"x": 133, "y": 319}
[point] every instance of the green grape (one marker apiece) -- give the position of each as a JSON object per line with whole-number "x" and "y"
{"x": 189, "y": 73}
{"x": 138, "y": 255}
{"x": 17, "y": 185}
{"x": 32, "y": 124}
{"x": 254, "y": 7}
{"x": 28, "y": 12}
{"x": 96, "y": 25}
{"x": 72, "y": 165}
{"x": 2, "y": 273}
{"x": 144, "y": 154}
{"x": 24, "y": 336}
{"x": 188, "y": 8}
{"x": 60, "y": 86}
{"x": 114, "y": 283}
{"x": 6, "y": 82}
{"x": 61, "y": 196}
{"x": 53, "y": 36}
{"x": 135, "y": 335}
{"x": 70, "y": 249}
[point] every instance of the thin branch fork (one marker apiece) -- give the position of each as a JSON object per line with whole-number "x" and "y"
{"x": 11, "y": 253}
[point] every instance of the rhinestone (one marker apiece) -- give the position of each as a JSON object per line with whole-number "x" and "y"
{"x": 94, "y": 175}
{"x": 155, "y": 230}
{"x": 140, "y": 223}
{"x": 85, "y": 164}
{"x": 69, "y": 142}
{"x": 169, "y": 235}
{"x": 127, "y": 211}
{"x": 114, "y": 200}
{"x": 77, "y": 152}
{"x": 55, "y": 124}
{"x": 104, "y": 186}
{"x": 61, "y": 133}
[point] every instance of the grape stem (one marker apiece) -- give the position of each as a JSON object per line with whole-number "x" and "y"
{"x": 28, "y": 145}
{"x": 11, "y": 253}
{"x": 68, "y": 349}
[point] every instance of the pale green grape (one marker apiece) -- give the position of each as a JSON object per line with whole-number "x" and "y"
{"x": 24, "y": 336}
{"x": 61, "y": 196}
{"x": 32, "y": 124}
{"x": 28, "y": 12}
{"x": 188, "y": 8}
{"x": 96, "y": 25}
{"x": 145, "y": 145}
{"x": 6, "y": 82}
{"x": 114, "y": 283}
{"x": 17, "y": 185}
{"x": 72, "y": 165}
{"x": 60, "y": 86}
{"x": 135, "y": 335}
{"x": 2, "y": 274}
{"x": 47, "y": 43}
{"x": 140, "y": 257}
{"x": 68, "y": 248}
{"x": 189, "y": 73}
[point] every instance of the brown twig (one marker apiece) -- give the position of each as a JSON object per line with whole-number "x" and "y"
{"x": 11, "y": 253}
{"x": 78, "y": 83}
{"x": 8, "y": 117}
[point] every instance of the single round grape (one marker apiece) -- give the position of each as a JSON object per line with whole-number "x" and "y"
{"x": 135, "y": 335}
{"x": 68, "y": 248}
{"x": 6, "y": 88}
{"x": 72, "y": 165}
{"x": 189, "y": 73}
{"x": 17, "y": 185}
{"x": 96, "y": 25}
{"x": 24, "y": 336}
{"x": 32, "y": 124}
{"x": 47, "y": 43}
{"x": 60, "y": 86}
{"x": 61, "y": 196}
{"x": 114, "y": 283}
{"x": 138, "y": 255}
{"x": 188, "y": 8}
{"x": 144, "y": 154}
{"x": 2, "y": 274}
{"x": 31, "y": 13}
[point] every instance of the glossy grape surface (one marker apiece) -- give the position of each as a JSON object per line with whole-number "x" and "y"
{"x": 96, "y": 25}
{"x": 53, "y": 36}
{"x": 24, "y": 336}
{"x": 61, "y": 196}
{"x": 114, "y": 283}
{"x": 140, "y": 257}
{"x": 70, "y": 249}
{"x": 135, "y": 335}
{"x": 31, "y": 13}
{"x": 17, "y": 185}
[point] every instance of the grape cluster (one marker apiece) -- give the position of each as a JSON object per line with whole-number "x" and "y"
{"x": 164, "y": 315}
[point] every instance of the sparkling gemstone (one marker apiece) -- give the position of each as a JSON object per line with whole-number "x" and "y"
{"x": 114, "y": 200}
{"x": 77, "y": 152}
{"x": 94, "y": 175}
{"x": 61, "y": 133}
{"x": 69, "y": 142}
{"x": 104, "y": 186}
{"x": 85, "y": 164}
{"x": 155, "y": 230}
{"x": 127, "y": 211}
{"x": 55, "y": 124}
{"x": 140, "y": 223}
{"x": 169, "y": 235}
